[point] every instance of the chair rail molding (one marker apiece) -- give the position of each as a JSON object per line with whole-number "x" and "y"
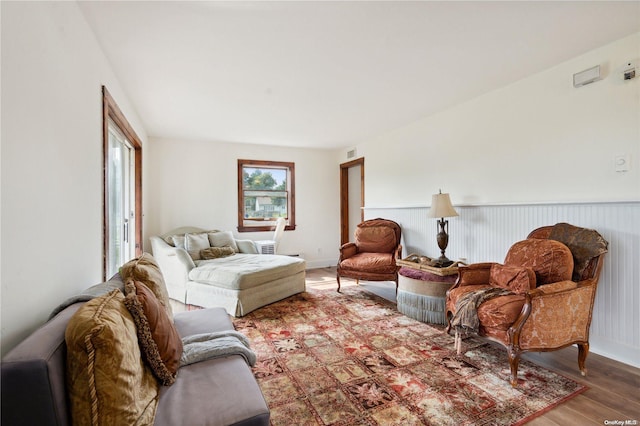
{"x": 485, "y": 233}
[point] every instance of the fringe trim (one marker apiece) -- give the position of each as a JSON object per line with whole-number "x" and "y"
{"x": 423, "y": 308}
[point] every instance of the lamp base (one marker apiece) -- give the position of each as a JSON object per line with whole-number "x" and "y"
{"x": 441, "y": 262}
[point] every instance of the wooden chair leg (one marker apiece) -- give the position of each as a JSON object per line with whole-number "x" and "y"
{"x": 338, "y": 279}
{"x": 583, "y": 351}
{"x": 514, "y": 361}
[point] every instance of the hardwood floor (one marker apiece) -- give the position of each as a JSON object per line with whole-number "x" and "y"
{"x": 614, "y": 388}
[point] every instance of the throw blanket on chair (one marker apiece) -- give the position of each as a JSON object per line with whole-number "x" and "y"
{"x": 465, "y": 318}
{"x": 201, "y": 347}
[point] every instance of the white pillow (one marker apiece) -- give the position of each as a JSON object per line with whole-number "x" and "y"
{"x": 178, "y": 240}
{"x": 223, "y": 238}
{"x": 193, "y": 243}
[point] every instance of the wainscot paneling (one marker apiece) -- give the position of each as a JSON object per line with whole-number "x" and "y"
{"x": 485, "y": 233}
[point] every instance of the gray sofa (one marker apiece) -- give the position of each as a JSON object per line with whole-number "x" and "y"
{"x": 240, "y": 283}
{"x": 219, "y": 391}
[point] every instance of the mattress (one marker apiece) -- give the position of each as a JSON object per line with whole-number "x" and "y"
{"x": 243, "y": 271}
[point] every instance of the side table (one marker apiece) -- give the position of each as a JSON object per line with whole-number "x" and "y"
{"x": 422, "y": 294}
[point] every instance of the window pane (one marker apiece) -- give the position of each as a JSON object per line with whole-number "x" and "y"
{"x": 265, "y": 193}
{"x": 271, "y": 179}
{"x": 265, "y": 204}
{"x": 116, "y": 195}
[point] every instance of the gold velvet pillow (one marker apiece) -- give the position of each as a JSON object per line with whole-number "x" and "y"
{"x": 159, "y": 340}
{"x": 518, "y": 279}
{"x": 107, "y": 381}
{"x": 146, "y": 270}
{"x": 216, "y": 252}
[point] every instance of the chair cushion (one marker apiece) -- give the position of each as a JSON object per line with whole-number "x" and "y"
{"x": 551, "y": 260}
{"x": 518, "y": 279}
{"x": 500, "y": 312}
{"x": 372, "y": 239}
{"x": 107, "y": 381}
{"x": 379, "y": 263}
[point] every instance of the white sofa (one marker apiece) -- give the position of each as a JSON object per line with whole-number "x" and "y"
{"x": 240, "y": 283}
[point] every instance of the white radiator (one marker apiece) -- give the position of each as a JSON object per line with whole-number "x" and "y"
{"x": 266, "y": 247}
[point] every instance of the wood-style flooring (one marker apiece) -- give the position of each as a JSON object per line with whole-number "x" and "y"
{"x": 614, "y": 387}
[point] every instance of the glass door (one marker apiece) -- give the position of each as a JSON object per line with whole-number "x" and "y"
{"x": 121, "y": 205}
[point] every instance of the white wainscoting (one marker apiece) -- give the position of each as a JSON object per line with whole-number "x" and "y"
{"x": 485, "y": 233}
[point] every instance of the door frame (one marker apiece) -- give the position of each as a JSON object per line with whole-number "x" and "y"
{"x": 110, "y": 110}
{"x": 344, "y": 197}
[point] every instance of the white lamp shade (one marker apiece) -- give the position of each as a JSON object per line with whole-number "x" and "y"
{"x": 441, "y": 206}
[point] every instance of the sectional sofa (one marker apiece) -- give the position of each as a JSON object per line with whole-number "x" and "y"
{"x": 87, "y": 366}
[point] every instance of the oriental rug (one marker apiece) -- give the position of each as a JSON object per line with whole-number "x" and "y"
{"x": 350, "y": 358}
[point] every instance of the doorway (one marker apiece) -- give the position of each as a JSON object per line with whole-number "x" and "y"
{"x": 122, "y": 188}
{"x": 351, "y": 197}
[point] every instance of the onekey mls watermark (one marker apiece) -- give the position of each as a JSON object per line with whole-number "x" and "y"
{"x": 620, "y": 422}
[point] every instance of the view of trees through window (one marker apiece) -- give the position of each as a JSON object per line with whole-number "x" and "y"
{"x": 265, "y": 193}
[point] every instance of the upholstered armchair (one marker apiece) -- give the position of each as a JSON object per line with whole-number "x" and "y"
{"x": 540, "y": 299}
{"x": 373, "y": 255}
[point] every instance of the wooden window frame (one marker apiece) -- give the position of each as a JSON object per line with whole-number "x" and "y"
{"x": 291, "y": 210}
{"x": 110, "y": 110}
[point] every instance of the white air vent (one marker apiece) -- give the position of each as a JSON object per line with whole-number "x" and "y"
{"x": 587, "y": 76}
{"x": 266, "y": 247}
{"x": 351, "y": 153}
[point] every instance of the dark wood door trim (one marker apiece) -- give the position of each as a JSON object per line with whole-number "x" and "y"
{"x": 110, "y": 110}
{"x": 344, "y": 196}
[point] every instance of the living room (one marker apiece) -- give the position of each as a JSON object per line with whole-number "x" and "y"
{"x": 531, "y": 152}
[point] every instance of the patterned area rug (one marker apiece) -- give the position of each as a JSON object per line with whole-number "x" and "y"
{"x": 350, "y": 358}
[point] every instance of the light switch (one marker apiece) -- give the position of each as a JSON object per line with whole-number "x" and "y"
{"x": 622, "y": 163}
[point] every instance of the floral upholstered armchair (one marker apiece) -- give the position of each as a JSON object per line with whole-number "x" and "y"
{"x": 540, "y": 299}
{"x": 373, "y": 255}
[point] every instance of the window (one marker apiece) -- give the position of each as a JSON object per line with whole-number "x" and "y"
{"x": 265, "y": 193}
{"x": 122, "y": 159}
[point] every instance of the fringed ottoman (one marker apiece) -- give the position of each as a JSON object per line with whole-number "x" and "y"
{"x": 421, "y": 294}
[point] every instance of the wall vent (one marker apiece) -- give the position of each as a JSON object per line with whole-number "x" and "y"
{"x": 351, "y": 153}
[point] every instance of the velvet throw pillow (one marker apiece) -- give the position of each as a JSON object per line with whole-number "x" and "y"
{"x": 216, "y": 252}
{"x": 146, "y": 270}
{"x": 515, "y": 278}
{"x": 107, "y": 381}
{"x": 159, "y": 340}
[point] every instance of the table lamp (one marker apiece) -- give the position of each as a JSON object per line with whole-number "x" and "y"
{"x": 440, "y": 208}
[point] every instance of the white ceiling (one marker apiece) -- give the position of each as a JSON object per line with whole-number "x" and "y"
{"x": 330, "y": 74}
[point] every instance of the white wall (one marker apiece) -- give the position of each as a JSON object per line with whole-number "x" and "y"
{"x": 194, "y": 183}
{"x": 52, "y": 73}
{"x": 533, "y": 153}
{"x": 537, "y": 140}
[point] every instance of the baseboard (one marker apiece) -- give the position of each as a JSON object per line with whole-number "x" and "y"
{"x": 321, "y": 263}
{"x": 615, "y": 351}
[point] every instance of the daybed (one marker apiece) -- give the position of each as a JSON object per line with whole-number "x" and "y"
{"x": 240, "y": 282}
{"x": 49, "y": 377}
